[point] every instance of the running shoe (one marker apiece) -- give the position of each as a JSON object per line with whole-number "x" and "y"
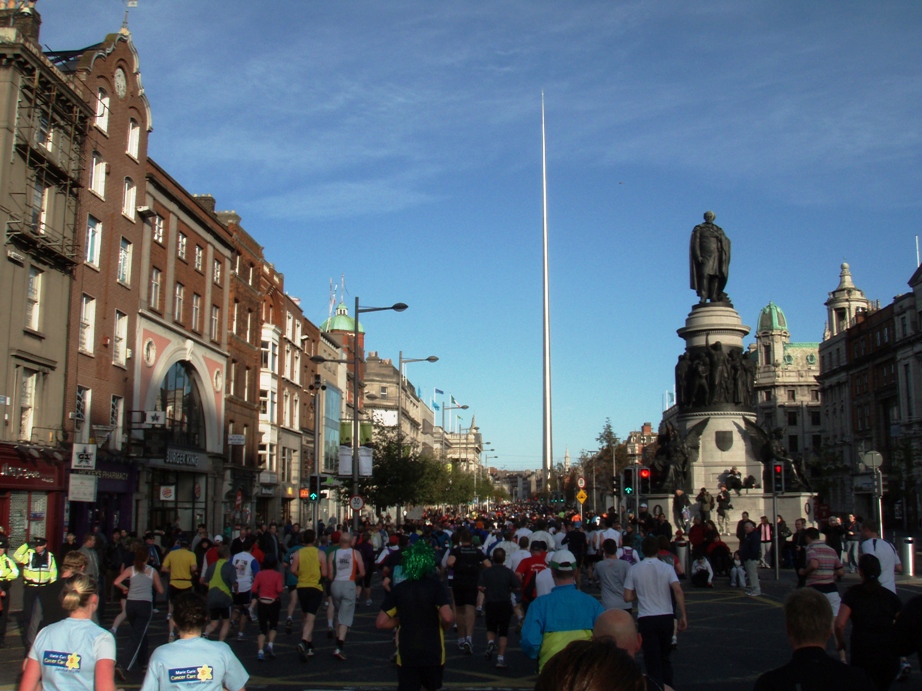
{"x": 338, "y": 654}
{"x": 260, "y": 656}
{"x": 501, "y": 662}
{"x": 288, "y": 625}
{"x": 302, "y": 651}
{"x": 240, "y": 635}
{"x": 491, "y": 647}
{"x": 468, "y": 648}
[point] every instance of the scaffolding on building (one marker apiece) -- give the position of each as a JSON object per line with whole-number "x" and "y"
{"x": 50, "y": 132}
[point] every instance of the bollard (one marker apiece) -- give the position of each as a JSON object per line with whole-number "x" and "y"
{"x": 908, "y": 556}
{"x": 681, "y": 551}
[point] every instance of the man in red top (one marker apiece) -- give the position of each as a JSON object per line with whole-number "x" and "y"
{"x": 529, "y": 568}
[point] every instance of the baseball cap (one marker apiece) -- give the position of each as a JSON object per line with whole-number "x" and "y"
{"x": 393, "y": 540}
{"x": 563, "y": 560}
{"x": 644, "y": 505}
{"x": 218, "y": 538}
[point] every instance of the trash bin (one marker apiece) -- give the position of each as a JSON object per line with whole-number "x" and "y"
{"x": 681, "y": 552}
{"x": 908, "y": 556}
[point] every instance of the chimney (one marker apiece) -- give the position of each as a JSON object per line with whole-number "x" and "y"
{"x": 206, "y": 201}
{"x": 21, "y": 15}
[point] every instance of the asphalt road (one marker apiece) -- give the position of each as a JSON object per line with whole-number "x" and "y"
{"x": 731, "y": 639}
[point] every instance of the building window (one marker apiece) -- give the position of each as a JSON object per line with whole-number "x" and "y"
{"x": 289, "y": 325}
{"x": 181, "y": 243}
{"x": 287, "y": 464}
{"x": 296, "y": 412}
{"x": 792, "y": 419}
{"x": 134, "y": 138}
{"x": 43, "y": 132}
{"x": 98, "y": 175}
{"x": 216, "y": 272}
{"x": 215, "y": 322}
{"x": 270, "y": 356}
{"x": 815, "y": 418}
{"x": 246, "y": 384}
{"x": 287, "y": 361}
{"x": 815, "y": 396}
{"x": 177, "y": 302}
{"x": 27, "y": 399}
{"x": 199, "y": 257}
{"x": 792, "y": 395}
{"x": 82, "y": 412}
{"x": 40, "y": 200}
{"x": 767, "y": 395}
{"x": 249, "y": 325}
{"x": 232, "y": 379}
{"x": 383, "y": 392}
{"x": 156, "y": 226}
{"x": 196, "y": 311}
{"x": 286, "y": 410}
{"x": 116, "y": 421}
{"x": 128, "y": 206}
{"x": 34, "y": 299}
{"x": 120, "y": 342}
{"x": 93, "y": 239}
{"x": 102, "y": 110}
{"x": 250, "y": 277}
{"x": 87, "y": 323}
{"x": 793, "y": 443}
{"x": 124, "y": 262}
{"x": 155, "y": 282}
{"x": 296, "y": 374}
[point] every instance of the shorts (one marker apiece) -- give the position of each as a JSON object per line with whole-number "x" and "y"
{"x": 343, "y": 593}
{"x": 268, "y": 615}
{"x": 366, "y": 579}
{"x": 498, "y": 615}
{"x": 243, "y": 599}
{"x": 464, "y": 595}
{"x": 216, "y": 613}
{"x": 176, "y": 592}
{"x": 310, "y": 599}
{"x": 412, "y": 678}
{"x": 292, "y": 588}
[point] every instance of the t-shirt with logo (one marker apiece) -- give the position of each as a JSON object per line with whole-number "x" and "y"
{"x": 247, "y": 567}
{"x": 468, "y": 563}
{"x": 194, "y": 664}
{"x": 68, "y": 651}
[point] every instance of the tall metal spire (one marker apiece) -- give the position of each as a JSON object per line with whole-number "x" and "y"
{"x": 548, "y": 457}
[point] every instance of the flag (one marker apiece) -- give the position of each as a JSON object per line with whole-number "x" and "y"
{"x": 439, "y": 391}
{"x": 453, "y": 401}
{"x": 419, "y": 392}
{"x": 435, "y": 406}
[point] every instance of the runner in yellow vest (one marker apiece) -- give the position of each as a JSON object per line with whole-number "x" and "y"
{"x": 222, "y": 580}
{"x": 309, "y": 566}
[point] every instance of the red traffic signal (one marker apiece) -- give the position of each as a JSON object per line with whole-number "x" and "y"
{"x": 778, "y": 476}
{"x": 644, "y": 473}
{"x": 779, "y": 469}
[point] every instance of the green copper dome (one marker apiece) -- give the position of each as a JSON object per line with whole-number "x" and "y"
{"x": 772, "y": 318}
{"x": 341, "y": 321}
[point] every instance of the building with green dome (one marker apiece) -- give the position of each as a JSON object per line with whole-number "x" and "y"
{"x": 786, "y": 386}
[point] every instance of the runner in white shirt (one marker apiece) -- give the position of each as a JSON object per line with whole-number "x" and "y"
{"x": 886, "y": 554}
{"x": 246, "y": 568}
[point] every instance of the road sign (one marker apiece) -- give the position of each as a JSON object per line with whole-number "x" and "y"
{"x": 581, "y": 482}
{"x": 582, "y": 497}
{"x": 356, "y": 502}
{"x": 236, "y": 439}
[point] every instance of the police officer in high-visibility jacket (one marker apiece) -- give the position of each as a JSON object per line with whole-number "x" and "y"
{"x": 9, "y": 572}
{"x": 38, "y": 569}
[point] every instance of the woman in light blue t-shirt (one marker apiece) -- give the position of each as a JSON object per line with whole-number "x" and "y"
{"x": 193, "y": 663}
{"x": 74, "y": 654}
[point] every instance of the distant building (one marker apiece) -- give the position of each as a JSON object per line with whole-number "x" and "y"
{"x": 786, "y": 388}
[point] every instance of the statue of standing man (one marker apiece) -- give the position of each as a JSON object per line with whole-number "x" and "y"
{"x": 709, "y": 260}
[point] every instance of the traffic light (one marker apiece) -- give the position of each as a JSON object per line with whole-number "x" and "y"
{"x": 314, "y": 493}
{"x": 778, "y": 476}
{"x": 616, "y": 484}
{"x": 644, "y": 481}
{"x": 628, "y": 481}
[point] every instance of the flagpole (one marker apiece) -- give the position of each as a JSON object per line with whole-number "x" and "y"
{"x": 548, "y": 434}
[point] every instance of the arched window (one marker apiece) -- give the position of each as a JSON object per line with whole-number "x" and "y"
{"x": 134, "y": 137}
{"x": 102, "y": 110}
{"x": 182, "y": 403}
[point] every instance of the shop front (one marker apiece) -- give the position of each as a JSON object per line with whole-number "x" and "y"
{"x": 267, "y": 497}
{"x": 179, "y": 484}
{"x": 32, "y": 495}
{"x": 116, "y": 481}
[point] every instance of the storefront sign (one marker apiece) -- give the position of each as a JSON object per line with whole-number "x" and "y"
{"x": 83, "y": 457}
{"x": 265, "y": 491}
{"x": 182, "y": 459}
{"x": 236, "y": 439}
{"x": 268, "y": 478}
{"x": 167, "y": 492}
{"x": 82, "y": 488}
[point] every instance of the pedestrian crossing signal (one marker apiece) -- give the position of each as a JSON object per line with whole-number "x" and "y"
{"x": 314, "y": 493}
{"x": 629, "y": 481}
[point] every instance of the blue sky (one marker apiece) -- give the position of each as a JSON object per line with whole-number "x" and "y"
{"x": 399, "y": 143}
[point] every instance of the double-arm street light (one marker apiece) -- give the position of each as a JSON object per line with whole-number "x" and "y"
{"x": 400, "y": 363}
{"x": 356, "y": 359}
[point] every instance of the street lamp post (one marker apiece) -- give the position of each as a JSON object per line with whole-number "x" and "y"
{"x": 400, "y": 363}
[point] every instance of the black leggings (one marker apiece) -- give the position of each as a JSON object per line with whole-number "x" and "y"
{"x": 268, "y": 615}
